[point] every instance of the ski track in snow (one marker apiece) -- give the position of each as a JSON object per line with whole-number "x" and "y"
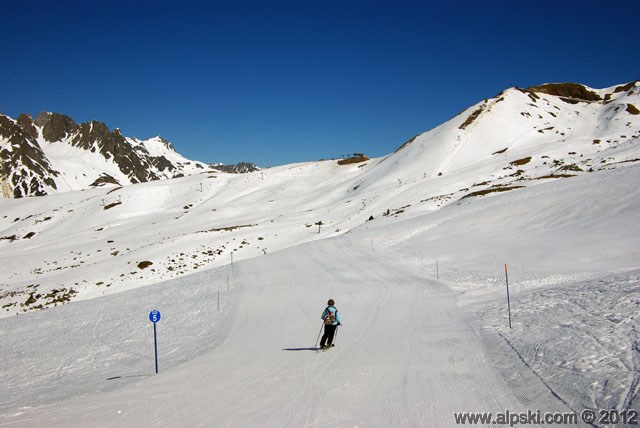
{"x": 405, "y": 356}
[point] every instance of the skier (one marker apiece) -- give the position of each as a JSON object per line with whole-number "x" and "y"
{"x": 331, "y": 319}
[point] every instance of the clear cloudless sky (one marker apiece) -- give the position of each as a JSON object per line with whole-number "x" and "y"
{"x": 276, "y": 82}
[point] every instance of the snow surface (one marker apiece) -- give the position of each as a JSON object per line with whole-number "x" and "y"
{"x": 420, "y": 286}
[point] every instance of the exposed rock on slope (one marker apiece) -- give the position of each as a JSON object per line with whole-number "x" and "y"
{"x": 53, "y": 153}
{"x": 24, "y": 168}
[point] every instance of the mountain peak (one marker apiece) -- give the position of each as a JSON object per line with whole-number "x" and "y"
{"x": 54, "y": 153}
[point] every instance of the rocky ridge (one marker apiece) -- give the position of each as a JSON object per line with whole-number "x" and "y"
{"x": 52, "y": 153}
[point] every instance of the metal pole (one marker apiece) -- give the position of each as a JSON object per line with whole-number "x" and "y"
{"x": 506, "y": 275}
{"x": 155, "y": 344}
{"x": 319, "y": 334}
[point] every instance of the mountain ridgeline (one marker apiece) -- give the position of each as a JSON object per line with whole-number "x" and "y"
{"x": 55, "y": 154}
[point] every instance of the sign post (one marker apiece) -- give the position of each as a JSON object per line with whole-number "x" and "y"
{"x": 154, "y": 317}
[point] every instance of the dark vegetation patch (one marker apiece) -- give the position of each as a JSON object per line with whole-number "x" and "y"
{"x": 107, "y": 207}
{"x": 10, "y": 238}
{"x": 144, "y": 265}
{"x": 105, "y": 179}
{"x": 356, "y": 158}
{"x": 406, "y": 143}
{"x": 625, "y": 88}
{"x": 230, "y": 228}
{"x": 395, "y": 211}
{"x": 472, "y": 117}
{"x": 555, "y": 176}
{"x": 596, "y": 141}
{"x": 632, "y": 109}
{"x": 520, "y": 162}
{"x": 491, "y": 190}
{"x": 62, "y": 295}
{"x": 545, "y": 129}
{"x": 439, "y": 198}
{"x": 624, "y": 161}
{"x": 573, "y": 91}
{"x": 533, "y": 96}
{"x": 29, "y": 235}
{"x": 38, "y": 300}
{"x": 572, "y": 167}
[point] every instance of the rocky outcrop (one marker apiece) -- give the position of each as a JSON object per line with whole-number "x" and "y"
{"x": 239, "y": 168}
{"x": 567, "y": 90}
{"x": 56, "y": 127}
{"x": 24, "y": 168}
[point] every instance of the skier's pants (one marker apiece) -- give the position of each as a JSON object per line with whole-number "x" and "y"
{"x": 327, "y": 337}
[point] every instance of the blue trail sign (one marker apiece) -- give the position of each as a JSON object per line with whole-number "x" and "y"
{"x": 154, "y": 317}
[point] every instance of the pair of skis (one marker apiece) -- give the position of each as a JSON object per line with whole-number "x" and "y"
{"x": 325, "y": 349}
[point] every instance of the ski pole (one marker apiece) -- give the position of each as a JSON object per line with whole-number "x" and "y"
{"x": 319, "y": 333}
{"x": 335, "y": 336}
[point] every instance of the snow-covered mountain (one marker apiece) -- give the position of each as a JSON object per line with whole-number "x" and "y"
{"x": 412, "y": 246}
{"x": 54, "y": 154}
{"x": 518, "y": 139}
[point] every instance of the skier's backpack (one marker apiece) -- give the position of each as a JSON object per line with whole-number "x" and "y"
{"x": 330, "y": 317}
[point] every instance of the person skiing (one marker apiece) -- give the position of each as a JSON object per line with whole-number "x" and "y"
{"x": 331, "y": 318}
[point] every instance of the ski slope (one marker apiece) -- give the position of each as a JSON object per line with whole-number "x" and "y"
{"x": 405, "y": 356}
{"x": 412, "y": 350}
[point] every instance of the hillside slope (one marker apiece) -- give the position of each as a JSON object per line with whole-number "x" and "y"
{"x": 83, "y": 244}
{"x": 407, "y": 355}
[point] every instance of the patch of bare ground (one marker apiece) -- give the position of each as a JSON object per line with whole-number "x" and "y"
{"x": 520, "y": 162}
{"x": 356, "y": 158}
{"x": 144, "y": 265}
{"x": 395, "y": 211}
{"x": 406, "y": 143}
{"x": 632, "y": 109}
{"x": 229, "y": 228}
{"x": 472, "y": 117}
{"x": 569, "y": 92}
{"x": 494, "y": 189}
{"x": 554, "y": 176}
{"x": 109, "y": 206}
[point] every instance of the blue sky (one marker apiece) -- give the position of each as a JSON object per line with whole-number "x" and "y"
{"x": 280, "y": 82}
